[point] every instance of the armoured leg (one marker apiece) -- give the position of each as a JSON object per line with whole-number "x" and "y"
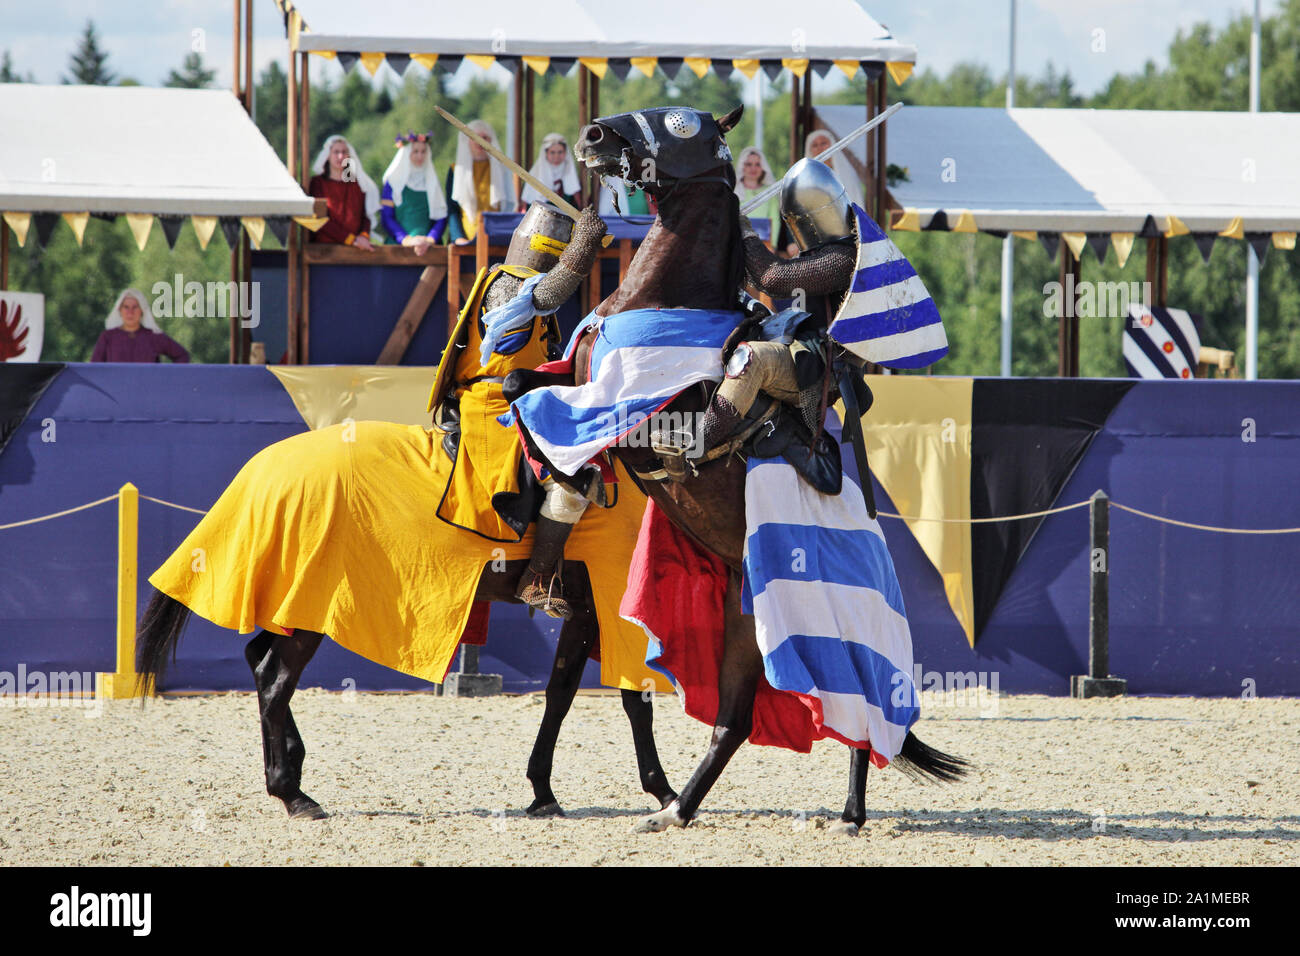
{"x": 541, "y": 586}
{"x": 754, "y": 367}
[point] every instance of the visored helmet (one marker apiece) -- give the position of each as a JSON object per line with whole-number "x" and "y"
{"x": 815, "y": 205}
{"x": 539, "y": 240}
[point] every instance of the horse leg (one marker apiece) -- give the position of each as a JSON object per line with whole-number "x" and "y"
{"x": 639, "y": 708}
{"x": 576, "y": 639}
{"x": 742, "y": 665}
{"x": 277, "y": 663}
{"x": 855, "y": 809}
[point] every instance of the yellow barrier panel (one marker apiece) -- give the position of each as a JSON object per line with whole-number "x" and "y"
{"x": 121, "y": 684}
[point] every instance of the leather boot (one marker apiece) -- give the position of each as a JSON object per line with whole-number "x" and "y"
{"x": 541, "y": 587}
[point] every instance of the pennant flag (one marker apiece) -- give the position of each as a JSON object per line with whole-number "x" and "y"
{"x": 848, "y": 67}
{"x": 279, "y": 226}
{"x": 671, "y": 65}
{"x": 426, "y": 60}
{"x": 1050, "y": 242}
{"x": 398, "y": 62}
{"x": 372, "y": 62}
{"x": 1205, "y": 243}
{"x": 1149, "y": 229}
{"x": 77, "y": 220}
{"x": 562, "y": 65}
{"x": 1176, "y": 228}
{"x": 1234, "y": 229}
{"x": 510, "y": 64}
{"x": 538, "y": 64}
{"x": 326, "y": 54}
{"x": 1259, "y": 242}
{"x": 699, "y": 65}
{"x": 1097, "y": 242}
{"x": 1284, "y": 240}
{"x": 449, "y": 64}
{"x": 348, "y": 60}
{"x": 19, "y": 222}
{"x": 310, "y": 223}
{"x": 795, "y": 66}
{"x": 747, "y": 67}
{"x": 1123, "y": 243}
{"x": 772, "y": 68}
{"x": 821, "y": 68}
{"x": 255, "y": 226}
{"x": 965, "y": 222}
{"x": 646, "y": 64}
{"x": 482, "y": 60}
{"x": 907, "y": 221}
{"x": 938, "y": 223}
{"x": 141, "y": 224}
{"x": 203, "y": 228}
{"x": 1029, "y": 234}
{"x": 899, "y": 72}
{"x": 619, "y": 66}
{"x": 597, "y": 64}
{"x": 171, "y": 228}
{"x": 1075, "y": 240}
{"x": 888, "y": 316}
{"x": 230, "y": 229}
{"x": 1160, "y": 342}
{"x": 724, "y": 68}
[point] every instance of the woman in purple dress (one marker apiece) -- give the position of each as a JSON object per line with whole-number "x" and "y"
{"x": 131, "y": 334}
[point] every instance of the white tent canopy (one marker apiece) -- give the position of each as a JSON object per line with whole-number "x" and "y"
{"x": 757, "y": 29}
{"x": 110, "y": 149}
{"x": 1059, "y": 170}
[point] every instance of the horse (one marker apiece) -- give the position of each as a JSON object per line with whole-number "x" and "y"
{"x": 692, "y": 258}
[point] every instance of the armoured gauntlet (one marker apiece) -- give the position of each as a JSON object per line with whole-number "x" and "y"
{"x": 575, "y": 263}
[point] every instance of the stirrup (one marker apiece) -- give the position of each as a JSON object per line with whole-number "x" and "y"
{"x": 673, "y": 453}
{"x": 548, "y": 598}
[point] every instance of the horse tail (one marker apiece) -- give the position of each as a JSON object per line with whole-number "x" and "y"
{"x": 159, "y": 635}
{"x": 923, "y": 763}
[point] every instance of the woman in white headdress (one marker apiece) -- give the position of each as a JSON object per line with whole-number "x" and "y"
{"x": 554, "y": 167}
{"x": 351, "y": 195}
{"x": 817, "y": 142}
{"x": 412, "y": 205}
{"x": 753, "y": 175}
{"x": 476, "y": 184}
{"x": 131, "y": 334}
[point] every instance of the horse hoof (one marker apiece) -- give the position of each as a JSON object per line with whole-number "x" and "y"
{"x": 305, "y": 808}
{"x": 549, "y": 809}
{"x": 661, "y": 821}
{"x": 844, "y": 828}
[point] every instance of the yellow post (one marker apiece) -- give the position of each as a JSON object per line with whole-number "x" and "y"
{"x": 122, "y": 683}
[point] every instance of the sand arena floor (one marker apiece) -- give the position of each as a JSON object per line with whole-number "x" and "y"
{"x": 423, "y": 780}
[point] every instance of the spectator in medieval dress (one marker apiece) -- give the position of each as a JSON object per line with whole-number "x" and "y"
{"x": 753, "y": 175}
{"x": 554, "y": 167}
{"x": 476, "y": 184}
{"x": 412, "y": 205}
{"x": 131, "y": 334}
{"x": 350, "y": 195}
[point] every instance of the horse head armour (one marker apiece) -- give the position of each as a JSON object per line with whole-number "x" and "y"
{"x": 658, "y": 148}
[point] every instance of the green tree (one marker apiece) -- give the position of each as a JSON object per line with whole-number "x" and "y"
{"x": 192, "y": 74}
{"x": 88, "y": 64}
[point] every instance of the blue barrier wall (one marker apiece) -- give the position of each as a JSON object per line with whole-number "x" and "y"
{"x": 1191, "y": 612}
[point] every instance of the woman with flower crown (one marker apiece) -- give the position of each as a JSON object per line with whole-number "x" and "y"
{"x": 412, "y": 205}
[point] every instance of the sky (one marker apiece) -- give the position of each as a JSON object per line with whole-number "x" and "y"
{"x": 147, "y": 38}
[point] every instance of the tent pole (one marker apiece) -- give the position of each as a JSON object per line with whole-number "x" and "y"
{"x": 4, "y": 255}
{"x": 248, "y": 57}
{"x": 295, "y": 236}
{"x": 882, "y": 167}
{"x": 514, "y": 119}
{"x": 794, "y": 120}
{"x": 236, "y": 36}
{"x": 304, "y": 272}
{"x": 528, "y": 119}
{"x": 1252, "y": 261}
{"x": 236, "y": 46}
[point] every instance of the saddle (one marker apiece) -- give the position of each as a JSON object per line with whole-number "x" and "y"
{"x": 773, "y": 429}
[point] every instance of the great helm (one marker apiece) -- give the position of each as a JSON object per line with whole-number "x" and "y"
{"x": 540, "y": 238}
{"x": 815, "y": 206}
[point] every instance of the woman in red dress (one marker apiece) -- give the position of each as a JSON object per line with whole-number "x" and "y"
{"x": 350, "y": 195}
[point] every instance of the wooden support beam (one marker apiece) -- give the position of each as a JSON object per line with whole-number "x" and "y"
{"x": 584, "y": 120}
{"x": 248, "y": 57}
{"x": 4, "y": 255}
{"x": 408, "y": 323}
{"x": 529, "y": 78}
{"x": 881, "y": 163}
{"x": 236, "y": 33}
{"x": 796, "y": 140}
{"x": 1067, "y": 346}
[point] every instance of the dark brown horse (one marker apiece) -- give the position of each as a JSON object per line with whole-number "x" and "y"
{"x": 277, "y": 663}
{"x": 693, "y": 258}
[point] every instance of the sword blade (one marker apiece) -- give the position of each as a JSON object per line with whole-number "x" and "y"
{"x": 831, "y": 150}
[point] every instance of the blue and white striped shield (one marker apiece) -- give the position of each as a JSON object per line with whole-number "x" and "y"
{"x": 888, "y": 316}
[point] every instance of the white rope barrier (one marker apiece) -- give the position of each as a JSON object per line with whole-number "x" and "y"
{"x": 59, "y": 514}
{"x": 171, "y": 504}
